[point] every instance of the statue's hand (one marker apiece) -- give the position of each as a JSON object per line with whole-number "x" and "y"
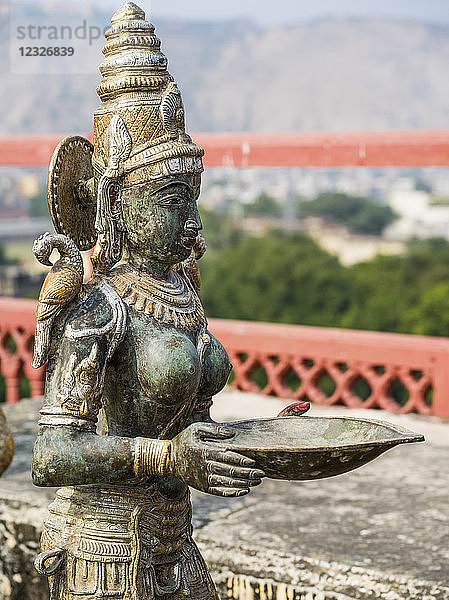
{"x": 208, "y": 466}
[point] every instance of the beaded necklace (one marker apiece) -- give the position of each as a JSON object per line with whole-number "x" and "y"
{"x": 171, "y": 301}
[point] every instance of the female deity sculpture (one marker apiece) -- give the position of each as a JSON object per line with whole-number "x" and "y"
{"x": 131, "y": 345}
{"x": 132, "y": 368}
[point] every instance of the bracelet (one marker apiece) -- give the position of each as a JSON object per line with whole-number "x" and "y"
{"x": 151, "y": 457}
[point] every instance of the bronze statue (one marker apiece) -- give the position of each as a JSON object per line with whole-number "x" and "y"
{"x": 129, "y": 353}
{"x": 132, "y": 343}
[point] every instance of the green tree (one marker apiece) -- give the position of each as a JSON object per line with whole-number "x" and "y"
{"x": 263, "y": 206}
{"x": 380, "y": 295}
{"x": 357, "y": 213}
{"x": 219, "y": 229}
{"x": 39, "y": 205}
{"x": 290, "y": 279}
{"x": 279, "y": 278}
{"x": 390, "y": 290}
{"x": 423, "y": 186}
{"x": 371, "y": 219}
{"x": 431, "y": 315}
{"x": 4, "y": 260}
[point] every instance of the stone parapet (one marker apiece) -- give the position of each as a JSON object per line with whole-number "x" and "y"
{"x": 377, "y": 533}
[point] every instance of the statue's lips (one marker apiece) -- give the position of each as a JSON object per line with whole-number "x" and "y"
{"x": 188, "y": 242}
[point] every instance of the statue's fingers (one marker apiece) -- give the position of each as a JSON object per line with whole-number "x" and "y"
{"x": 228, "y": 492}
{"x": 230, "y": 482}
{"x": 234, "y": 471}
{"x": 214, "y": 431}
{"x": 222, "y": 455}
{"x": 233, "y": 458}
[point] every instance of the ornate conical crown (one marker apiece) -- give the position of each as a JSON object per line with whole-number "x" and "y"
{"x": 139, "y": 130}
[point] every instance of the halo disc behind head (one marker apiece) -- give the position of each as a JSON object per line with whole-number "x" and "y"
{"x": 72, "y": 207}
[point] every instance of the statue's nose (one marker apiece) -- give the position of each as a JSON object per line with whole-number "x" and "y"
{"x": 192, "y": 227}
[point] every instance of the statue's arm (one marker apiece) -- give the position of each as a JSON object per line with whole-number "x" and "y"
{"x": 67, "y": 450}
{"x": 65, "y": 456}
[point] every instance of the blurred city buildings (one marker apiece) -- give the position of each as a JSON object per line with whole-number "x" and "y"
{"x": 419, "y": 197}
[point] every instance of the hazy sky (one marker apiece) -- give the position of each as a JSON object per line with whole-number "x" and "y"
{"x": 291, "y": 11}
{"x": 279, "y": 11}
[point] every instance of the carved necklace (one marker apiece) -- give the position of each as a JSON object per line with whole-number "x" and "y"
{"x": 172, "y": 301}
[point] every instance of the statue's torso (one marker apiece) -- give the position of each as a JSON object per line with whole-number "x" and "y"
{"x": 155, "y": 372}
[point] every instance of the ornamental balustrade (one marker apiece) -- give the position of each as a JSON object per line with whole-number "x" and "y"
{"x": 17, "y": 324}
{"x": 358, "y": 369}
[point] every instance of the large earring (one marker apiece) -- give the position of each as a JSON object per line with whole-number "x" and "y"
{"x": 109, "y": 247}
{"x": 116, "y": 230}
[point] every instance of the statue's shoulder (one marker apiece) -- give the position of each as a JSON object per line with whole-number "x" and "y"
{"x": 98, "y": 311}
{"x": 86, "y": 337}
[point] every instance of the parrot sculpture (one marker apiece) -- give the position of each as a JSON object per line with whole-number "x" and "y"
{"x": 60, "y": 287}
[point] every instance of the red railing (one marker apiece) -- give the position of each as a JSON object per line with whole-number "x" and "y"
{"x": 420, "y": 148}
{"x": 327, "y": 366}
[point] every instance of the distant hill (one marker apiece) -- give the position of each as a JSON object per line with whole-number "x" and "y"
{"x": 328, "y": 74}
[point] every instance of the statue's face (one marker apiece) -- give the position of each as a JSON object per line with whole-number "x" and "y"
{"x": 161, "y": 219}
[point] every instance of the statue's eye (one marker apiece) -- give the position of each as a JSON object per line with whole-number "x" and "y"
{"x": 172, "y": 200}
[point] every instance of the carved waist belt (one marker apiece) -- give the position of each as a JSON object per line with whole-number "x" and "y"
{"x": 101, "y": 523}
{"x": 121, "y": 543}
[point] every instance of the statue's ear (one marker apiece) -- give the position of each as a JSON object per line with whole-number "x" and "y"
{"x": 196, "y": 181}
{"x": 108, "y": 224}
{"x": 108, "y": 203}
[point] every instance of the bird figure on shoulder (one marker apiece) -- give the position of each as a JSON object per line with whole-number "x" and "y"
{"x": 62, "y": 284}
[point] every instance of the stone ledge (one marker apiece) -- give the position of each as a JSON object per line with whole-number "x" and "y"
{"x": 22, "y": 510}
{"x": 379, "y": 532}
{"x": 297, "y": 577}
